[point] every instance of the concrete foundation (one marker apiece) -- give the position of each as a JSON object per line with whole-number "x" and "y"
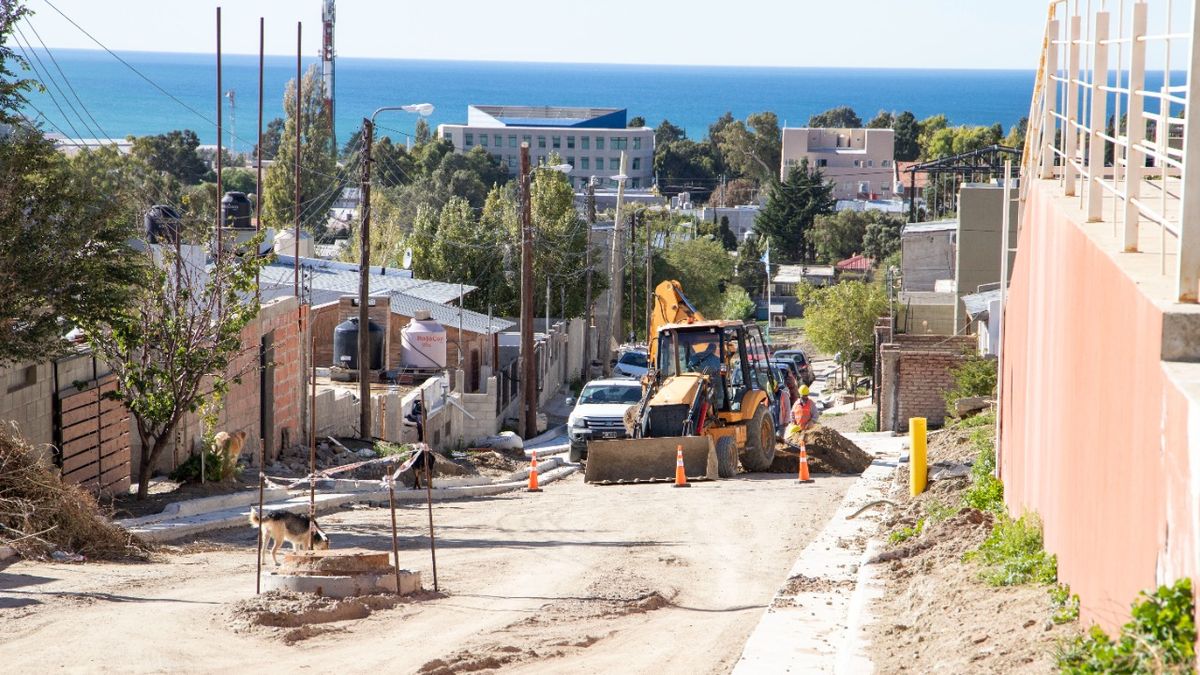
{"x": 341, "y": 573}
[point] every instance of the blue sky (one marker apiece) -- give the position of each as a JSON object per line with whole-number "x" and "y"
{"x": 816, "y": 33}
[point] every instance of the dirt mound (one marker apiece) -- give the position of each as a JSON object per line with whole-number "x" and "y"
{"x": 292, "y": 617}
{"x": 828, "y": 452}
{"x": 40, "y": 514}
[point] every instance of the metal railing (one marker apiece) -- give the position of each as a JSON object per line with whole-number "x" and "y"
{"x": 1114, "y": 132}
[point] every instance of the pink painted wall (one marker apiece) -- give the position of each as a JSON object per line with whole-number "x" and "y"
{"x": 1094, "y": 435}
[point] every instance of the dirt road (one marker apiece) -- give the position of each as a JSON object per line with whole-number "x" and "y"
{"x": 580, "y": 578}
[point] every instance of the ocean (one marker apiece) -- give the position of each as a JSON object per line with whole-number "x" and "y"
{"x": 114, "y": 101}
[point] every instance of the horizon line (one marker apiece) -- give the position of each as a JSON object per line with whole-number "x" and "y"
{"x": 316, "y": 59}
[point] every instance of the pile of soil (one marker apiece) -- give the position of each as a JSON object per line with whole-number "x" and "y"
{"x": 494, "y": 463}
{"x": 935, "y": 613}
{"x": 41, "y": 516}
{"x": 828, "y": 452}
{"x": 292, "y": 617}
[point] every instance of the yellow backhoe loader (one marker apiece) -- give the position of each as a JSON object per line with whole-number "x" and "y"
{"x": 709, "y": 390}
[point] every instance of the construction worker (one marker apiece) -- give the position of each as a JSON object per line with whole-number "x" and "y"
{"x": 804, "y": 413}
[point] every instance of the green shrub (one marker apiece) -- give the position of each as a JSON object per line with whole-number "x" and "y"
{"x": 1012, "y": 554}
{"x": 937, "y": 511}
{"x": 1066, "y": 604}
{"x": 906, "y": 533}
{"x": 214, "y": 469}
{"x": 386, "y": 449}
{"x": 986, "y": 492}
{"x": 868, "y": 423}
{"x": 974, "y": 377}
{"x": 1160, "y": 638}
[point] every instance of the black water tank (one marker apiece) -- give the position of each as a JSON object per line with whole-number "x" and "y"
{"x": 345, "y": 345}
{"x": 162, "y": 224}
{"x": 236, "y": 210}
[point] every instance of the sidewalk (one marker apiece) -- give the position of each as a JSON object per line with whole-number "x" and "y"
{"x": 815, "y": 621}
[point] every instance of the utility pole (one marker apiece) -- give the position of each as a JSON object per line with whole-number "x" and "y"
{"x": 617, "y": 277}
{"x": 528, "y": 373}
{"x": 633, "y": 223}
{"x": 327, "y": 54}
{"x": 646, "y": 230}
{"x": 588, "y": 317}
{"x": 364, "y": 285}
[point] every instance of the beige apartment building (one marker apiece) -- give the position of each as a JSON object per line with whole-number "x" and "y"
{"x": 589, "y": 139}
{"x": 858, "y": 162}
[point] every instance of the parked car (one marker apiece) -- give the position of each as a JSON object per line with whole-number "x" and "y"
{"x": 632, "y": 363}
{"x": 798, "y": 357}
{"x": 599, "y": 413}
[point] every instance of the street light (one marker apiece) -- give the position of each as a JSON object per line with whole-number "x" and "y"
{"x": 364, "y": 264}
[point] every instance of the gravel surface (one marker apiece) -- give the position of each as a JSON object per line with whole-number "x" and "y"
{"x": 577, "y": 579}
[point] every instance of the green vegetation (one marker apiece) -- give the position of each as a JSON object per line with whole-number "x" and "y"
{"x": 736, "y": 304}
{"x": 174, "y": 153}
{"x": 795, "y": 322}
{"x": 937, "y": 512}
{"x": 868, "y": 424}
{"x": 702, "y": 266}
{"x": 386, "y": 449}
{"x": 841, "y": 318}
{"x": 974, "y": 377}
{"x": 906, "y": 533}
{"x": 792, "y": 208}
{"x": 1013, "y": 554}
{"x": 843, "y": 234}
{"x": 214, "y": 468}
{"x": 986, "y": 492}
{"x": 1160, "y": 638}
{"x": 1066, "y": 604}
{"x": 319, "y": 180}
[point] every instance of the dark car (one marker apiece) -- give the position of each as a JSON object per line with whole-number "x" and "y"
{"x": 797, "y": 357}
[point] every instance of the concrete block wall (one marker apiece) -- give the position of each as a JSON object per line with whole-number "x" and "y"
{"x": 27, "y": 401}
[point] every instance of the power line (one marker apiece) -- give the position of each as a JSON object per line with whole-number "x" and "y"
{"x": 75, "y": 93}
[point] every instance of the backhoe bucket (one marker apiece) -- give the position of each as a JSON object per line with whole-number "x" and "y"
{"x": 649, "y": 460}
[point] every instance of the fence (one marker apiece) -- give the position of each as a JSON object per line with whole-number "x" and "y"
{"x": 1102, "y": 123}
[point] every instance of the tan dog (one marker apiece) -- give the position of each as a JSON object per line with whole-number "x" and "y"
{"x": 282, "y": 526}
{"x": 229, "y": 446}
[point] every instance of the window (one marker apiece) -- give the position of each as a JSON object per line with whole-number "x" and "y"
{"x": 620, "y": 143}
{"x": 599, "y": 142}
{"x": 870, "y": 162}
{"x": 570, "y": 142}
{"x": 541, "y": 141}
{"x": 512, "y": 163}
{"x": 498, "y": 140}
{"x": 585, "y": 142}
{"x": 556, "y": 142}
{"x": 858, "y": 162}
{"x": 483, "y": 140}
{"x": 635, "y": 183}
{"x": 512, "y": 141}
{"x": 527, "y": 138}
{"x": 885, "y": 163}
{"x": 585, "y": 163}
{"x": 637, "y": 142}
{"x": 468, "y": 139}
{"x": 614, "y": 163}
{"x": 637, "y": 163}
{"x": 822, "y": 163}
{"x": 571, "y": 160}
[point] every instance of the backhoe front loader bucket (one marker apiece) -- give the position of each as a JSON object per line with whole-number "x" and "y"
{"x": 648, "y": 460}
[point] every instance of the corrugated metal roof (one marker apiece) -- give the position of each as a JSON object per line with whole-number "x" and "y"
{"x": 474, "y": 322}
{"x": 342, "y": 279}
{"x": 935, "y": 226}
{"x": 794, "y": 274}
{"x": 977, "y": 303}
{"x": 857, "y": 263}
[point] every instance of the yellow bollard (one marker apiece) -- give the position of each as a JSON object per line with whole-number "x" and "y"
{"x": 916, "y": 455}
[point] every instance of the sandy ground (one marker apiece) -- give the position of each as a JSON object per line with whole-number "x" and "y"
{"x": 578, "y": 579}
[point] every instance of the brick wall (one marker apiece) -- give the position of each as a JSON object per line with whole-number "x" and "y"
{"x": 324, "y": 320}
{"x": 914, "y": 373}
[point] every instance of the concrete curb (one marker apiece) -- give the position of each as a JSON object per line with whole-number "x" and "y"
{"x": 810, "y": 626}
{"x": 187, "y": 526}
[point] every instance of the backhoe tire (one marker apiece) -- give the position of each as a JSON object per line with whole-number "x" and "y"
{"x": 760, "y": 441}
{"x": 727, "y": 459}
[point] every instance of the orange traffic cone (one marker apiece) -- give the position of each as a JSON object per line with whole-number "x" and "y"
{"x": 804, "y": 477}
{"x": 533, "y": 475}
{"x": 680, "y": 474}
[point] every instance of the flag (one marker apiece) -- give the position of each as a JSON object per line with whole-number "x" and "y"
{"x": 766, "y": 259}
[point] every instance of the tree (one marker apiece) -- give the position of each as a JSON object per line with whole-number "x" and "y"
{"x": 751, "y": 273}
{"x": 882, "y": 120}
{"x": 12, "y": 87}
{"x": 422, "y": 134}
{"x": 907, "y": 131}
{"x": 272, "y": 136}
{"x": 237, "y": 179}
{"x": 173, "y": 347}
{"x": 636, "y": 122}
{"x": 841, "y": 318}
{"x": 735, "y": 192}
{"x": 683, "y": 166}
{"x": 666, "y": 132}
{"x": 753, "y": 148}
{"x": 319, "y": 179}
{"x": 1016, "y": 135}
{"x": 728, "y": 238}
{"x": 736, "y": 304}
{"x": 926, "y": 129}
{"x": 174, "y": 153}
{"x": 882, "y": 238}
{"x": 842, "y": 117}
{"x": 702, "y": 266}
{"x": 791, "y": 208}
{"x": 63, "y": 256}
{"x": 839, "y": 235}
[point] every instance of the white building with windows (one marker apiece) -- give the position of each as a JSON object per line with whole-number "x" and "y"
{"x": 589, "y": 139}
{"x": 858, "y": 162}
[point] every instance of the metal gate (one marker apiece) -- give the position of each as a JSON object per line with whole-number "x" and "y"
{"x": 95, "y": 438}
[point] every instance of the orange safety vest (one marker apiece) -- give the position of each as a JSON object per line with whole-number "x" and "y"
{"x": 802, "y": 413}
